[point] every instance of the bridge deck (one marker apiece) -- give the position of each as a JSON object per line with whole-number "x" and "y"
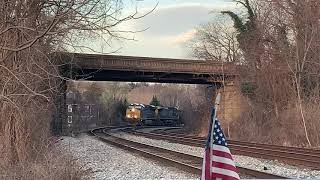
{"x": 149, "y": 64}
{"x": 146, "y": 69}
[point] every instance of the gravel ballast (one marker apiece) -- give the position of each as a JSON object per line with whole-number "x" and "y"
{"x": 272, "y": 166}
{"x": 108, "y": 162}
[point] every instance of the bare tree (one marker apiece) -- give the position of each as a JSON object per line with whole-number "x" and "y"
{"x": 302, "y": 56}
{"x": 29, "y": 31}
{"x": 216, "y": 41}
{"x": 279, "y": 45}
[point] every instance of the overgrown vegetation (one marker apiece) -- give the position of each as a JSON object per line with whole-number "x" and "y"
{"x": 51, "y": 164}
{"x": 29, "y": 79}
{"x": 276, "y": 46}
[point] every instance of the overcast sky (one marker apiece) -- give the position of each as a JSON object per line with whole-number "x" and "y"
{"x": 170, "y": 26}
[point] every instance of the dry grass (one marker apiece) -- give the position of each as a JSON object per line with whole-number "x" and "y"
{"x": 51, "y": 164}
{"x": 27, "y": 150}
{"x": 291, "y": 120}
{"x": 257, "y": 125}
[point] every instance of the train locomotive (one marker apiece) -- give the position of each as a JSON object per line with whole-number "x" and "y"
{"x": 133, "y": 113}
{"x": 152, "y": 115}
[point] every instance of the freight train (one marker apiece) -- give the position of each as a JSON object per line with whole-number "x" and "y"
{"x": 152, "y": 115}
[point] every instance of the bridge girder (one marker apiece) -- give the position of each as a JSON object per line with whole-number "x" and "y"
{"x": 145, "y": 69}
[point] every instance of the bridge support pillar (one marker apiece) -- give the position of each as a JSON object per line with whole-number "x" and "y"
{"x": 230, "y": 107}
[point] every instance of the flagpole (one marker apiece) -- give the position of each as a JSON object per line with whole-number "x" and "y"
{"x": 216, "y": 105}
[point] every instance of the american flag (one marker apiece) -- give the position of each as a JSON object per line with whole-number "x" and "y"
{"x": 218, "y": 163}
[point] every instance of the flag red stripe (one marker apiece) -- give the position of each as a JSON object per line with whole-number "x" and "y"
{"x": 217, "y": 162}
{"x": 223, "y": 177}
{"x": 224, "y": 166}
{"x": 222, "y": 154}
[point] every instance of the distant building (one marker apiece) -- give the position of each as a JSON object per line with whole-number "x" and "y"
{"x": 80, "y": 115}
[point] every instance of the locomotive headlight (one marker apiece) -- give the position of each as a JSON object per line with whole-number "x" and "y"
{"x": 135, "y": 116}
{"x": 133, "y": 110}
{"x": 128, "y": 116}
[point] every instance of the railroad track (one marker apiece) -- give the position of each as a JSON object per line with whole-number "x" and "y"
{"x": 183, "y": 161}
{"x": 260, "y": 145}
{"x": 296, "y": 156}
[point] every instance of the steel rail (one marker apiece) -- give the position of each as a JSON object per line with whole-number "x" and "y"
{"x": 262, "y": 145}
{"x": 185, "y": 162}
{"x": 295, "y": 158}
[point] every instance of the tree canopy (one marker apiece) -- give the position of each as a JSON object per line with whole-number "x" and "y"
{"x": 155, "y": 101}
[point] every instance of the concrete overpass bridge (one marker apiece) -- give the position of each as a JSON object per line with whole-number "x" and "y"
{"x": 96, "y": 67}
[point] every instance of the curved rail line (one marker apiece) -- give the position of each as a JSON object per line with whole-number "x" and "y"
{"x": 311, "y": 153}
{"x": 183, "y": 161}
{"x": 285, "y": 148}
{"x": 295, "y": 156}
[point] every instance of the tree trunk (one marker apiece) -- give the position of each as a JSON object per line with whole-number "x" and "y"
{"x": 298, "y": 86}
